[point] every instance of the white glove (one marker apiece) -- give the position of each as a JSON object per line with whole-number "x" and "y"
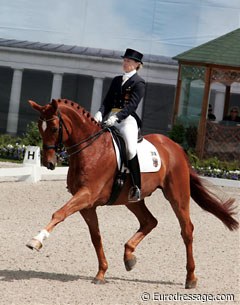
{"x": 111, "y": 120}
{"x": 98, "y": 117}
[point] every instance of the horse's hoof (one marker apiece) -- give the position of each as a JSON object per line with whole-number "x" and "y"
{"x": 129, "y": 264}
{"x": 191, "y": 284}
{"x": 34, "y": 244}
{"x": 98, "y": 281}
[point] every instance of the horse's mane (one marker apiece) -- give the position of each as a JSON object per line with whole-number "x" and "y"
{"x": 77, "y": 108}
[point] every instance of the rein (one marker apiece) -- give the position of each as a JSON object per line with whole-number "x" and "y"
{"x": 89, "y": 139}
{"x": 59, "y": 146}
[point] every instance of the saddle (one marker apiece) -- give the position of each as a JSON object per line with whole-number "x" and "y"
{"x": 121, "y": 176}
{"x": 120, "y": 144}
{"x": 148, "y": 156}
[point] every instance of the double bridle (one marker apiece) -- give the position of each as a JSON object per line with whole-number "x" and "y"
{"x": 59, "y": 146}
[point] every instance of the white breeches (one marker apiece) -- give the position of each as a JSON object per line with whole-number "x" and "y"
{"x": 129, "y": 130}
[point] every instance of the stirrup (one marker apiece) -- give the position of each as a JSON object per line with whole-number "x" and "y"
{"x": 134, "y": 194}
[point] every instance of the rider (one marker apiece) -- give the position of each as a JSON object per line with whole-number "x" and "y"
{"x": 125, "y": 93}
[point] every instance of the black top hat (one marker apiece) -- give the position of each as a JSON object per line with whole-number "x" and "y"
{"x": 133, "y": 54}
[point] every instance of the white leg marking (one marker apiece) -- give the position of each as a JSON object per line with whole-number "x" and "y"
{"x": 44, "y": 234}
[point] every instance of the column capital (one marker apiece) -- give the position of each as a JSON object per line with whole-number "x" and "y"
{"x": 98, "y": 77}
{"x": 17, "y": 69}
{"x": 57, "y": 72}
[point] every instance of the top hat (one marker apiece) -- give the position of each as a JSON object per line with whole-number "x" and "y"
{"x": 133, "y": 54}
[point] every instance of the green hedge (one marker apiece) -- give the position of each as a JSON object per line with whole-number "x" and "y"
{"x": 13, "y": 147}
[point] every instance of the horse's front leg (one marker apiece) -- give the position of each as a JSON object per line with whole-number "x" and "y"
{"x": 90, "y": 216}
{"x": 79, "y": 201}
{"x": 147, "y": 223}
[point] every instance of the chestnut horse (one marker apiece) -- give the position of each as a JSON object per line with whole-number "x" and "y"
{"x": 92, "y": 168}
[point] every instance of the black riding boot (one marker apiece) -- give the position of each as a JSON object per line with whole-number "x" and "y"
{"x": 135, "y": 191}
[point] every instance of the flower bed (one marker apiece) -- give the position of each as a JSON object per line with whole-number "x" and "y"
{"x": 212, "y": 167}
{"x": 12, "y": 152}
{"x": 218, "y": 173}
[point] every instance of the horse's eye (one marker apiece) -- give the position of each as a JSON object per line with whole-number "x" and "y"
{"x": 54, "y": 129}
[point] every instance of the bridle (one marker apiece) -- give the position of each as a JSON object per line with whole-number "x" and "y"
{"x": 59, "y": 146}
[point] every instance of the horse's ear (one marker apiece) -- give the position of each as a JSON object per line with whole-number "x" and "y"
{"x": 54, "y": 104}
{"x": 35, "y": 106}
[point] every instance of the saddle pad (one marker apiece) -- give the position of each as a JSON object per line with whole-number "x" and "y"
{"x": 148, "y": 156}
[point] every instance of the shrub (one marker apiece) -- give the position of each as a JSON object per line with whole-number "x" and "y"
{"x": 32, "y": 136}
{"x": 13, "y": 147}
{"x": 177, "y": 133}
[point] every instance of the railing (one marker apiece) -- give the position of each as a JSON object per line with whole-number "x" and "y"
{"x": 222, "y": 141}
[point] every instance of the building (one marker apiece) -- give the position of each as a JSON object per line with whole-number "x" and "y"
{"x": 210, "y": 74}
{"x": 38, "y": 71}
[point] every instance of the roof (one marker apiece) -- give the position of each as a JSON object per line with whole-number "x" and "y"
{"x": 224, "y": 51}
{"x": 78, "y": 50}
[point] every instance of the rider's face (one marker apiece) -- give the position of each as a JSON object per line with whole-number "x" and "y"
{"x": 129, "y": 65}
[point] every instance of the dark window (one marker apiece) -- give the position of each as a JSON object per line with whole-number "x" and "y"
{"x": 157, "y": 108}
{"x": 78, "y": 88}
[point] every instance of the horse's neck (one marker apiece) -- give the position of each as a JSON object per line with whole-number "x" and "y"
{"x": 82, "y": 125}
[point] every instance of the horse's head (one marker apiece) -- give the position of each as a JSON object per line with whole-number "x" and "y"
{"x": 54, "y": 130}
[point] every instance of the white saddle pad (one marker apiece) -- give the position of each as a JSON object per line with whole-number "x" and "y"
{"x": 148, "y": 156}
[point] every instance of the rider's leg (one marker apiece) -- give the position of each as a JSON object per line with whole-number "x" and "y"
{"x": 135, "y": 191}
{"x": 129, "y": 130}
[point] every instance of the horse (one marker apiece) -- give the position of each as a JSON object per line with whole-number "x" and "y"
{"x": 92, "y": 169}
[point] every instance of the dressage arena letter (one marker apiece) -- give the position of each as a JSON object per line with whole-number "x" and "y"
{"x": 32, "y": 156}
{"x": 32, "y": 159}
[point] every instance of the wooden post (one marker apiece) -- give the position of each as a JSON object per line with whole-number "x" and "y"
{"x": 202, "y": 123}
{"x": 226, "y": 100}
{"x": 177, "y": 96}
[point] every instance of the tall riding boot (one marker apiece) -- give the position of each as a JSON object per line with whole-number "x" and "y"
{"x": 135, "y": 191}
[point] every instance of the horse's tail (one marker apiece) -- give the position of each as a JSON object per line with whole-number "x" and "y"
{"x": 211, "y": 203}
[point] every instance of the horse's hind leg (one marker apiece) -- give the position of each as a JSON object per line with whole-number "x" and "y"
{"x": 178, "y": 195}
{"x": 90, "y": 216}
{"x": 147, "y": 223}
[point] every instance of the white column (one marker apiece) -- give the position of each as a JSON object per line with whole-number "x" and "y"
{"x": 96, "y": 94}
{"x": 13, "y": 111}
{"x": 56, "y": 86}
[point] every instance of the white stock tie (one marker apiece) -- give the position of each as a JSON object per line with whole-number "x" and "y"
{"x": 124, "y": 78}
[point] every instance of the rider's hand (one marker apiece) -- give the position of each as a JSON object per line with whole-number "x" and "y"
{"x": 98, "y": 117}
{"x": 111, "y": 120}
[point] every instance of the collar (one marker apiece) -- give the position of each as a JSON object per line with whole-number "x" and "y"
{"x": 129, "y": 74}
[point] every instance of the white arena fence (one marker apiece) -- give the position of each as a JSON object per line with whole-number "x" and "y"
{"x": 31, "y": 169}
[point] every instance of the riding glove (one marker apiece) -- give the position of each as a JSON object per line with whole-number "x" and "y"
{"x": 111, "y": 120}
{"x": 98, "y": 117}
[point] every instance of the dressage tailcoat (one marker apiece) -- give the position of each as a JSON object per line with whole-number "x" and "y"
{"x": 125, "y": 97}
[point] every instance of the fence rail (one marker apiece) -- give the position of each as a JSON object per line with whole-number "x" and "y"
{"x": 32, "y": 173}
